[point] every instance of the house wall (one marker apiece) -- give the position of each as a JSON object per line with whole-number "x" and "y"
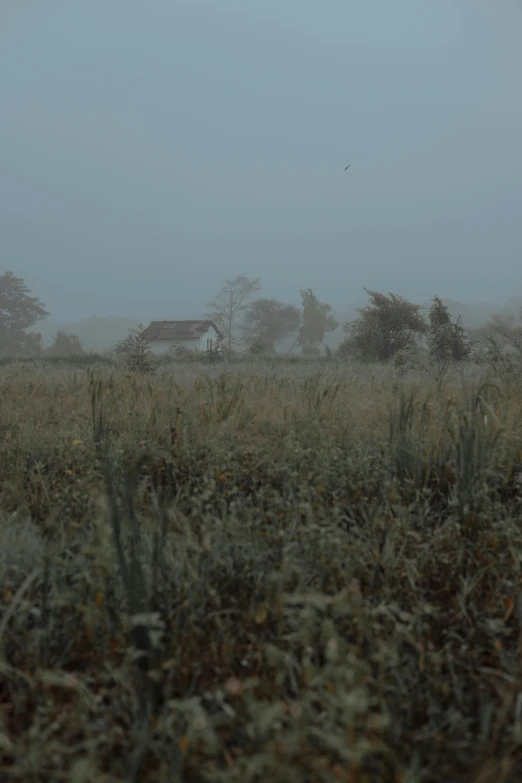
{"x": 210, "y": 335}
{"x": 162, "y": 346}
{"x": 193, "y": 344}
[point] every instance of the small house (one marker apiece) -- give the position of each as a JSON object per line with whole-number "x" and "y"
{"x": 194, "y": 335}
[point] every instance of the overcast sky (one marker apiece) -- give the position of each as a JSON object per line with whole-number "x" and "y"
{"x": 150, "y": 150}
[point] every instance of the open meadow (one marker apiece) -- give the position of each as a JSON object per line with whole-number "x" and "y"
{"x": 293, "y": 571}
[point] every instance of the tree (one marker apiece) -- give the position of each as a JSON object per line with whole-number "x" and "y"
{"x": 503, "y": 347}
{"x": 317, "y": 320}
{"x": 506, "y": 332}
{"x": 447, "y": 344}
{"x": 136, "y": 350}
{"x": 266, "y": 322}
{"x": 387, "y": 325}
{"x": 21, "y": 344}
{"x": 229, "y": 306}
{"x": 124, "y": 347}
{"x": 18, "y": 311}
{"x": 447, "y": 341}
{"x": 65, "y": 344}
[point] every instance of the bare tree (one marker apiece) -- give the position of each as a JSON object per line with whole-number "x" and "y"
{"x": 228, "y": 307}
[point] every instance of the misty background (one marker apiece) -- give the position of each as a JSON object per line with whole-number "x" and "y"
{"x": 150, "y": 151}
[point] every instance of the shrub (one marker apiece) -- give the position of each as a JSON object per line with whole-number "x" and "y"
{"x": 387, "y": 325}
{"x": 135, "y": 348}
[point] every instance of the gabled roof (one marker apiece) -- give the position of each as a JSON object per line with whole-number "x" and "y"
{"x": 179, "y": 330}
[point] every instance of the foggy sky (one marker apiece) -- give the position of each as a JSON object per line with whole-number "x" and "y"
{"x": 150, "y": 150}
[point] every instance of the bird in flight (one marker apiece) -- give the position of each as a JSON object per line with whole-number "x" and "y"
{"x": 348, "y": 166}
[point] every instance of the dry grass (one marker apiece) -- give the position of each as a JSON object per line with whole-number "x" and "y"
{"x": 301, "y": 571}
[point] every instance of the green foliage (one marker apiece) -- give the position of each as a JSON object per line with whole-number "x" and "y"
{"x": 279, "y": 572}
{"x": 502, "y": 349}
{"x": 447, "y": 346}
{"x": 387, "y": 325}
{"x": 447, "y": 341}
{"x": 135, "y": 349}
{"x": 18, "y": 311}
{"x": 20, "y": 344}
{"x": 65, "y": 344}
{"x": 257, "y": 347}
{"x": 268, "y": 321}
{"x": 179, "y": 351}
{"x": 317, "y": 320}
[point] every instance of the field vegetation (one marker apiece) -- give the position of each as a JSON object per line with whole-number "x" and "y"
{"x": 295, "y": 570}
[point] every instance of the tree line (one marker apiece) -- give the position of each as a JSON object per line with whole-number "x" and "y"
{"x": 388, "y": 329}
{"x": 260, "y": 324}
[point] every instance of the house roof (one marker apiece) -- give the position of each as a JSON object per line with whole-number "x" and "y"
{"x": 179, "y": 330}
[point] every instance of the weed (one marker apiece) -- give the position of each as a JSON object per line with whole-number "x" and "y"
{"x": 302, "y": 570}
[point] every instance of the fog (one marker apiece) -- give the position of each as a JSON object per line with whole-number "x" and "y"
{"x": 149, "y": 151}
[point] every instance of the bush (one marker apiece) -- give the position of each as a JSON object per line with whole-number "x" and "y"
{"x": 275, "y": 572}
{"x": 179, "y": 351}
{"x": 135, "y": 349}
{"x": 387, "y": 325}
{"x": 65, "y": 344}
{"x": 447, "y": 341}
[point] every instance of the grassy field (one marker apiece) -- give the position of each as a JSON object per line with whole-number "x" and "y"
{"x": 285, "y": 571}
